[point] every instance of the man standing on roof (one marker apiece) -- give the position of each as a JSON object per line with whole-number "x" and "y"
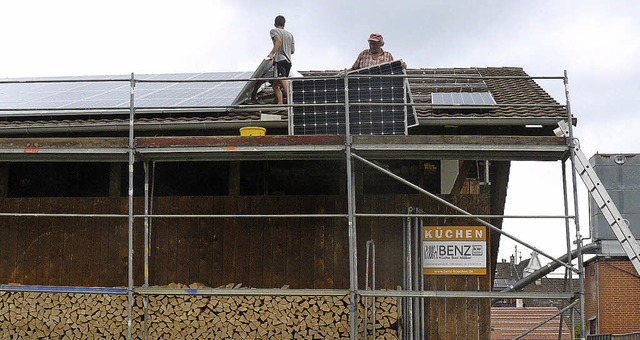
{"x": 374, "y": 55}
{"x": 283, "y": 47}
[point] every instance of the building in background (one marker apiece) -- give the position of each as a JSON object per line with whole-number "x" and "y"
{"x": 612, "y": 286}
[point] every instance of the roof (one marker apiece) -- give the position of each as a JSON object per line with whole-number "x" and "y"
{"x": 510, "y": 322}
{"x": 520, "y": 101}
{"x": 509, "y": 270}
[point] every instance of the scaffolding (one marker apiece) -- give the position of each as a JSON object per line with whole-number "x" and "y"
{"x": 354, "y": 149}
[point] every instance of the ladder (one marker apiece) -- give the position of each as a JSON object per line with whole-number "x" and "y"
{"x": 618, "y": 224}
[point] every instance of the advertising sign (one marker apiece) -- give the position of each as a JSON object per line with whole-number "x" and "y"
{"x": 454, "y": 250}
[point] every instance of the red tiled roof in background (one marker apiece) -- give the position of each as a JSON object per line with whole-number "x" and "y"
{"x": 510, "y": 322}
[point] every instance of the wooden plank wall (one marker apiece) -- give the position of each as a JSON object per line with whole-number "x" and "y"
{"x": 257, "y": 252}
{"x": 444, "y": 317}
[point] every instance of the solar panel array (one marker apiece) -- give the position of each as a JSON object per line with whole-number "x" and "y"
{"x": 75, "y": 94}
{"x": 377, "y": 105}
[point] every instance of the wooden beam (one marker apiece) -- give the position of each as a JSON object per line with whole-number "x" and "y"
{"x": 462, "y": 176}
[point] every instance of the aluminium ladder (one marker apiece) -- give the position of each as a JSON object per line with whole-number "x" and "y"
{"x": 618, "y": 224}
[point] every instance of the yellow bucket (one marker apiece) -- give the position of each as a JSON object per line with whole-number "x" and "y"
{"x": 252, "y": 131}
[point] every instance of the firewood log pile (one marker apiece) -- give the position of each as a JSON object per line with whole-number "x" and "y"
{"x": 101, "y": 316}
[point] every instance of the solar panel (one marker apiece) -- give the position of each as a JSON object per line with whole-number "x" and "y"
{"x": 190, "y": 94}
{"x": 264, "y": 70}
{"x": 462, "y": 98}
{"x": 323, "y": 110}
{"x": 26, "y": 96}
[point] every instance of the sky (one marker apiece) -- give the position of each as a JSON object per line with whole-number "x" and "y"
{"x": 595, "y": 42}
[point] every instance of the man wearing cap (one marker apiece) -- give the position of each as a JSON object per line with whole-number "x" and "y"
{"x": 374, "y": 55}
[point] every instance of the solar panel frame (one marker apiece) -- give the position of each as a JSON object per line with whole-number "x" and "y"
{"x": 456, "y": 99}
{"x": 366, "y": 88}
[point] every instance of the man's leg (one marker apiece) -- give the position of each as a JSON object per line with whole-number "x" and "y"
{"x": 285, "y": 88}
{"x": 278, "y": 91}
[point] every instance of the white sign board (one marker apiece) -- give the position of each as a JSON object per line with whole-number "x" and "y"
{"x": 454, "y": 250}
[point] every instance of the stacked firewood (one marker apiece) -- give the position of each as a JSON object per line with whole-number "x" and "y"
{"x": 66, "y": 315}
{"x": 62, "y": 316}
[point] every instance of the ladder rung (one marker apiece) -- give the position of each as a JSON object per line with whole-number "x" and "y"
{"x": 598, "y": 200}
{"x": 591, "y": 186}
{"x": 608, "y": 215}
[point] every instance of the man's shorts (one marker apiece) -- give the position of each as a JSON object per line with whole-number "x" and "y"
{"x": 282, "y": 68}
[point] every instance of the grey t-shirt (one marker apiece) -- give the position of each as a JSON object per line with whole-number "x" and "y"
{"x": 284, "y": 52}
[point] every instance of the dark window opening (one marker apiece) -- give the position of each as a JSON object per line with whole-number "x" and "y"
{"x": 425, "y": 174}
{"x": 308, "y": 177}
{"x": 59, "y": 179}
{"x": 593, "y": 326}
{"x": 180, "y": 179}
{"x": 282, "y": 177}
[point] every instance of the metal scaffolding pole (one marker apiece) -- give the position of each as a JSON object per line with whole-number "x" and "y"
{"x": 571, "y": 144}
{"x": 370, "y": 270}
{"x": 420, "y": 277}
{"x": 568, "y": 275}
{"x": 130, "y": 203}
{"x": 351, "y": 206}
{"x": 146, "y": 248}
{"x": 408, "y": 285}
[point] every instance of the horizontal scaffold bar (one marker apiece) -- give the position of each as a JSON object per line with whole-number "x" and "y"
{"x": 241, "y": 292}
{"x": 466, "y": 294}
{"x": 63, "y": 289}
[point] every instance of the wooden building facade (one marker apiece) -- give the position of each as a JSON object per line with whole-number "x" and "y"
{"x": 265, "y": 211}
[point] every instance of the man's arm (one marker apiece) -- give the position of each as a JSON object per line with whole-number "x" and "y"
{"x": 277, "y": 42}
{"x": 356, "y": 64}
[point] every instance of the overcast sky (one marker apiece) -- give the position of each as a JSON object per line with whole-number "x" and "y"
{"x": 595, "y": 41}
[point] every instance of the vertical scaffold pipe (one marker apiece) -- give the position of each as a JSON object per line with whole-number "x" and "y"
{"x": 409, "y": 302}
{"x": 351, "y": 206}
{"x": 568, "y": 274}
{"x": 146, "y": 248}
{"x": 571, "y": 144}
{"x": 366, "y": 287}
{"x": 418, "y": 274}
{"x": 405, "y": 276}
{"x": 130, "y": 203}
